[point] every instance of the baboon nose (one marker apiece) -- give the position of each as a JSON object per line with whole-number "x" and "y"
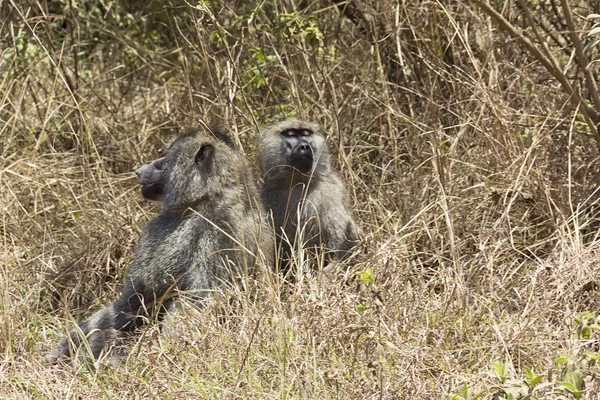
{"x": 304, "y": 150}
{"x": 140, "y": 170}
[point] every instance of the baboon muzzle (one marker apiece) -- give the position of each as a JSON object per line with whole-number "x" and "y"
{"x": 140, "y": 172}
{"x": 302, "y": 158}
{"x": 152, "y": 179}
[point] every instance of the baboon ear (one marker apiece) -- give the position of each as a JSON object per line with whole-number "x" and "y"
{"x": 204, "y": 153}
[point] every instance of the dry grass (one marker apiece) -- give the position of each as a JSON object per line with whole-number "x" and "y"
{"x": 472, "y": 175}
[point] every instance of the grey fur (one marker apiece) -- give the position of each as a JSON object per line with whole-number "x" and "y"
{"x": 210, "y": 230}
{"x": 305, "y": 194}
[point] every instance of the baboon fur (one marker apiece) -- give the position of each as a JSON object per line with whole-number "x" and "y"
{"x": 210, "y": 231}
{"x": 308, "y": 200}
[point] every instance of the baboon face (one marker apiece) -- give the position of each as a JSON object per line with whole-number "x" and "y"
{"x": 189, "y": 171}
{"x": 299, "y": 148}
{"x": 292, "y": 143}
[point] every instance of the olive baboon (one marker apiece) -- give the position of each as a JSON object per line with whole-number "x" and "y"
{"x": 210, "y": 230}
{"x": 308, "y": 200}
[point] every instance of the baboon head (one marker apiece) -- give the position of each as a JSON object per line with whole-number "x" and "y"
{"x": 196, "y": 164}
{"x": 293, "y": 145}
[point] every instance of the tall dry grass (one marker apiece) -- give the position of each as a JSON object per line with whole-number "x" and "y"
{"x": 473, "y": 176}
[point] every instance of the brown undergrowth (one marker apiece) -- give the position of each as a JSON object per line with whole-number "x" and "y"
{"x": 472, "y": 173}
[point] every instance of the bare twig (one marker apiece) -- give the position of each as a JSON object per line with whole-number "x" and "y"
{"x": 591, "y": 115}
{"x": 533, "y": 24}
{"x": 582, "y": 59}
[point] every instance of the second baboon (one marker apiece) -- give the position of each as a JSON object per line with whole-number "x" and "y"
{"x": 308, "y": 200}
{"x": 210, "y": 230}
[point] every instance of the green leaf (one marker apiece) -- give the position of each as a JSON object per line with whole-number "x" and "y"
{"x": 573, "y": 382}
{"x": 585, "y": 332}
{"x": 366, "y": 275}
{"x": 532, "y": 378}
{"x": 500, "y": 370}
{"x": 567, "y": 385}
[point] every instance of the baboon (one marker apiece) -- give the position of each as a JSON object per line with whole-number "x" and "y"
{"x": 308, "y": 200}
{"x": 210, "y": 230}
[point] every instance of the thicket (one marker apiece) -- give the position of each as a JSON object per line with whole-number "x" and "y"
{"x": 468, "y": 134}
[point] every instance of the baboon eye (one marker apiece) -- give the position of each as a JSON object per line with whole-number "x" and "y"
{"x": 203, "y": 153}
{"x": 306, "y": 132}
{"x": 289, "y": 133}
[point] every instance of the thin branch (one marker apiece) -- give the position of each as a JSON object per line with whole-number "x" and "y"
{"x": 531, "y": 21}
{"x": 582, "y": 59}
{"x": 558, "y": 19}
{"x": 556, "y": 37}
{"x": 588, "y": 112}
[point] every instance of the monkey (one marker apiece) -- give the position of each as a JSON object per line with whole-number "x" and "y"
{"x": 306, "y": 197}
{"x": 210, "y": 230}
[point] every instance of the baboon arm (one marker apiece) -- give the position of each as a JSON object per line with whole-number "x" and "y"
{"x": 342, "y": 240}
{"x": 341, "y": 233}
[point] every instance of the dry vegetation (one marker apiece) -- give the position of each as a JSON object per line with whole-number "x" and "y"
{"x": 473, "y": 167}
